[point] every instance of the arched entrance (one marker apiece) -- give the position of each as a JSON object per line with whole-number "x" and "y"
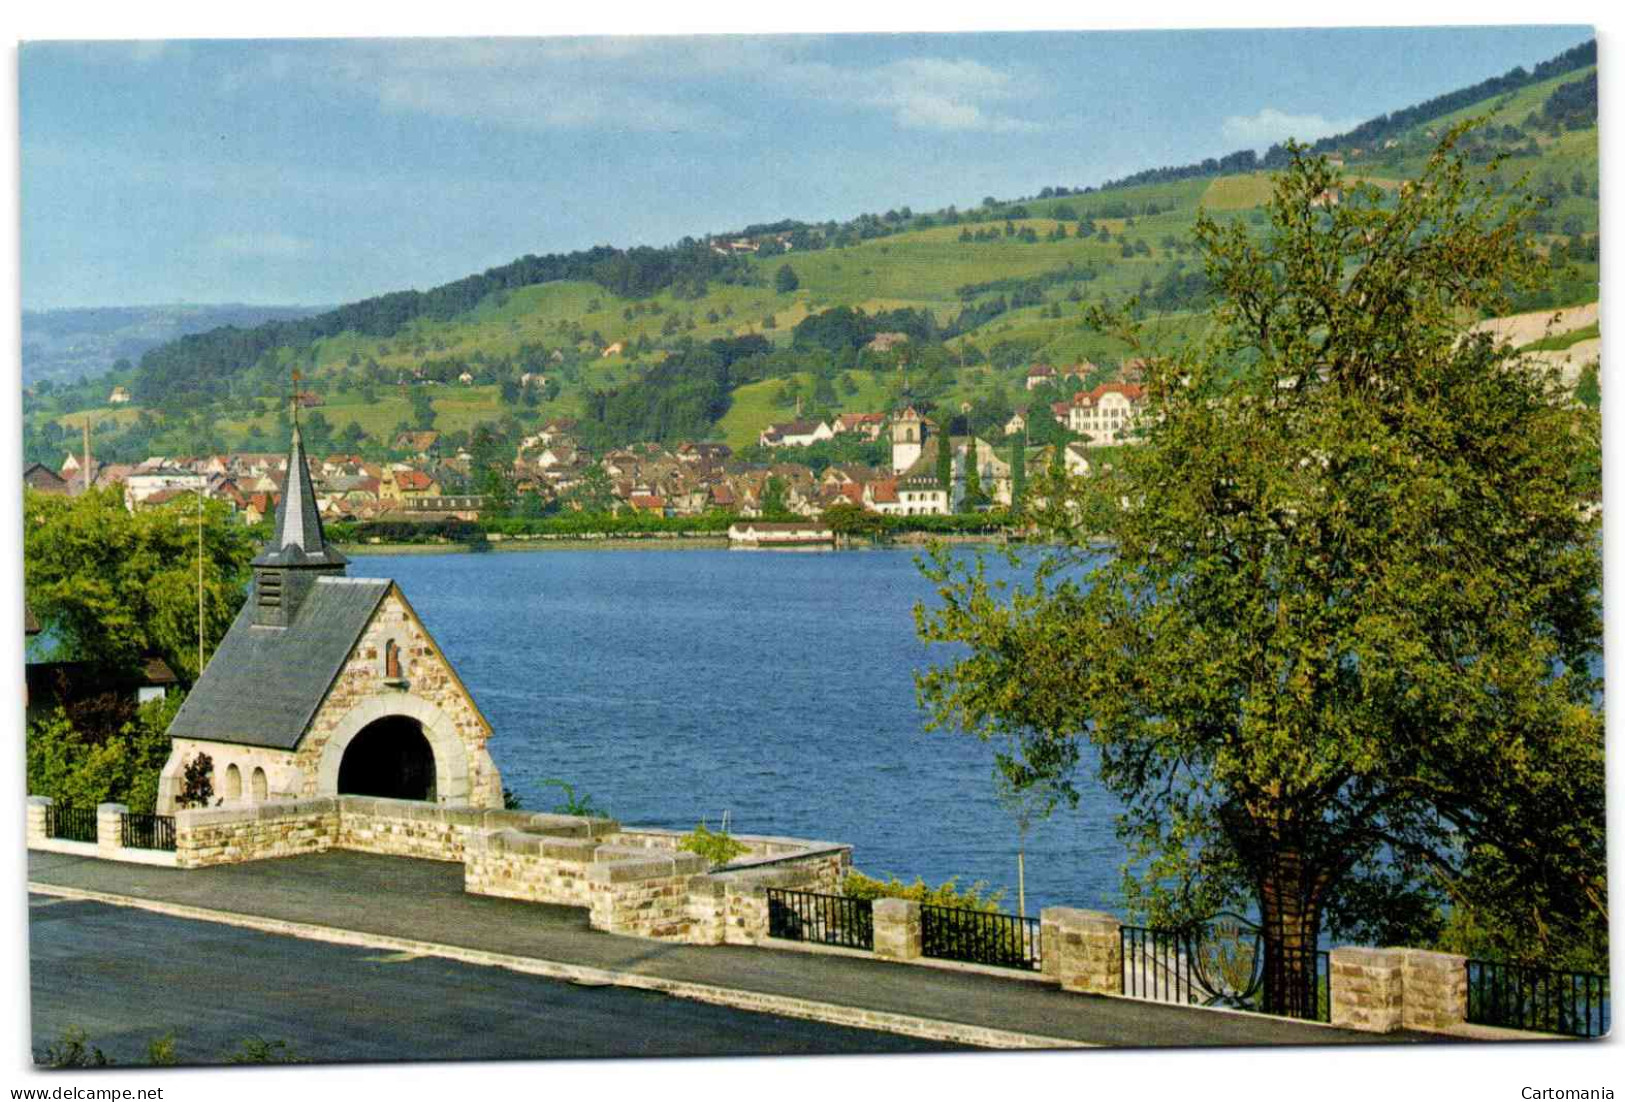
{"x": 389, "y": 757}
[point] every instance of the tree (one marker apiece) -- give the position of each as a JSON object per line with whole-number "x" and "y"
{"x": 847, "y": 519}
{"x": 113, "y": 586}
{"x": 773, "y": 504}
{"x": 80, "y": 767}
{"x": 1031, "y": 778}
{"x": 594, "y": 494}
{"x": 353, "y": 435}
{"x": 785, "y": 280}
{"x": 1018, "y": 472}
{"x": 422, "y": 409}
{"x": 1342, "y": 664}
{"x": 491, "y": 470}
{"x": 975, "y": 497}
{"x": 945, "y": 466}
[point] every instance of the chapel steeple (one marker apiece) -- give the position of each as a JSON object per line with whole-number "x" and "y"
{"x": 298, "y": 552}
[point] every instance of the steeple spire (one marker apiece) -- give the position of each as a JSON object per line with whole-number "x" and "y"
{"x": 297, "y": 538}
{"x": 297, "y": 552}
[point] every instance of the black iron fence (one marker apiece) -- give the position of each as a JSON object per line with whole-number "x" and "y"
{"x": 826, "y": 919}
{"x": 147, "y": 831}
{"x": 72, "y": 824}
{"x": 1541, "y": 999}
{"x": 979, "y": 937}
{"x": 1228, "y": 964}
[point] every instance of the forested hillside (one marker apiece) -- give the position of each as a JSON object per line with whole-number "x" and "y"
{"x": 716, "y": 337}
{"x": 61, "y": 346}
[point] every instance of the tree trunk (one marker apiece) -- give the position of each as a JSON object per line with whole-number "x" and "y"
{"x": 1289, "y": 905}
{"x": 1021, "y": 878}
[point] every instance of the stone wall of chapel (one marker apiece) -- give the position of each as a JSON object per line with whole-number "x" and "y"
{"x": 425, "y": 674}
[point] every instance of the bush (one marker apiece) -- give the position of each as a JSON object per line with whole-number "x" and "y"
{"x": 257, "y": 1050}
{"x": 74, "y": 1050}
{"x": 946, "y": 894}
{"x": 718, "y": 847}
{"x": 581, "y": 805}
{"x": 161, "y": 1051}
{"x": 76, "y": 769}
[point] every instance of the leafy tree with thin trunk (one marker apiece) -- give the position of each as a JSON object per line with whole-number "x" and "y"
{"x": 1018, "y": 471}
{"x": 975, "y": 496}
{"x": 1340, "y": 661}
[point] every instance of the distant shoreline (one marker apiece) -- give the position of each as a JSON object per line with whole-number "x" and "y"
{"x": 701, "y": 541}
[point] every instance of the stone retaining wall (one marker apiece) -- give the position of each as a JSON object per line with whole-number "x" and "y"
{"x": 1435, "y": 990}
{"x": 407, "y": 828}
{"x": 229, "y": 835}
{"x": 1382, "y": 990}
{"x": 729, "y": 905}
{"x": 758, "y": 847}
{"x": 1081, "y": 950}
{"x": 536, "y": 868}
{"x": 644, "y": 896}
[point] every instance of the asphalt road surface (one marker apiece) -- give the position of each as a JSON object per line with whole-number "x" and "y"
{"x": 128, "y": 976}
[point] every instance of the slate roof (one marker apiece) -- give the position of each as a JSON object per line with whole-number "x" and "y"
{"x": 264, "y": 684}
{"x": 297, "y": 538}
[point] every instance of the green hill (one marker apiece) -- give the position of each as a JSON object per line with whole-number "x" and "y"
{"x": 983, "y": 292}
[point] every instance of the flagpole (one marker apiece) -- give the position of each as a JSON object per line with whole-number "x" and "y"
{"x": 200, "y": 580}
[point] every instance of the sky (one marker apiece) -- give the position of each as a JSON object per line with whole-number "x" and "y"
{"x": 306, "y": 171}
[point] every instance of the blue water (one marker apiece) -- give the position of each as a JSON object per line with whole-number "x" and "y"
{"x": 674, "y": 685}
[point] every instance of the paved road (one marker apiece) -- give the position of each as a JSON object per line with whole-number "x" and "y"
{"x": 424, "y": 900}
{"x": 126, "y": 976}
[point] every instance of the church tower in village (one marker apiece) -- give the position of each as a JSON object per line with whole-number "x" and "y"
{"x": 908, "y": 431}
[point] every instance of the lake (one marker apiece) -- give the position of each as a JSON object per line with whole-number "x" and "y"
{"x": 675, "y": 685}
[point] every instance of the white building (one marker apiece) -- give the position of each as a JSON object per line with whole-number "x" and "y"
{"x": 795, "y": 434}
{"x": 1105, "y": 415}
{"x": 140, "y": 485}
{"x": 908, "y": 432}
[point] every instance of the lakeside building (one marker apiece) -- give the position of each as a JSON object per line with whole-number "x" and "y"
{"x": 1105, "y": 415}
{"x": 757, "y": 533}
{"x": 327, "y": 685}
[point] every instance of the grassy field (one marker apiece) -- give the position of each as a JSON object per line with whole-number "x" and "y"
{"x": 753, "y": 408}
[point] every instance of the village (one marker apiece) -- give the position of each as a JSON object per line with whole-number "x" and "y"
{"x": 551, "y": 470}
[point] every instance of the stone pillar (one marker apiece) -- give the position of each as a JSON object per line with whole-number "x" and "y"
{"x": 745, "y": 913}
{"x": 1368, "y": 989}
{"x": 897, "y": 929}
{"x": 110, "y": 828}
{"x": 1082, "y": 950}
{"x": 36, "y": 818}
{"x": 1434, "y": 990}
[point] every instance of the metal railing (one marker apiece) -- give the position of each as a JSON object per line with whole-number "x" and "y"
{"x": 138, "y": 831}
{"x": 826, "y": 919}
{"x": 979, "y": 937}
{"x": 1227, "y": 964}
{"x": 1542, "y": 999}
{"x": 72, "y": 824}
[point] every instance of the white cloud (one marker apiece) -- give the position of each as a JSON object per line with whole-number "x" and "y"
{"x": 920, "y": 93}
{"x": 266, "y": 246}
{"x": 644, "y": 83}
{"x": 1269, "y": 126}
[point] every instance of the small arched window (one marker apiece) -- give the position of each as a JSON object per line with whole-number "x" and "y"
{"x": 392, "y": 661}
{"x": 259, "y": 786}
{"x": 234, "y": 782}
